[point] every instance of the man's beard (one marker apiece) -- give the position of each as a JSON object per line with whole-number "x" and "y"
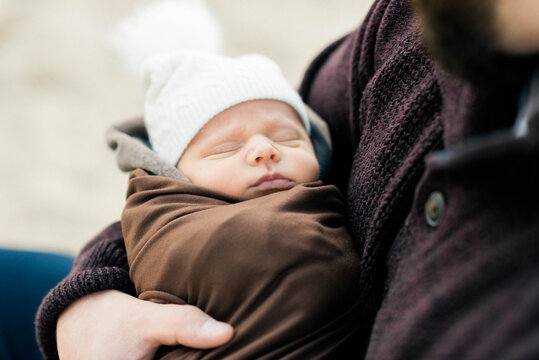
{"x": 462, "y": 35}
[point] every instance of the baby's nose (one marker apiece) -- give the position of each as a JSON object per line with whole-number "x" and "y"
{"x": 263, "y": 150}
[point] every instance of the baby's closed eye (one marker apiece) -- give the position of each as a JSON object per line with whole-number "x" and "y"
{"x": 223, "y": 150}
{"x": 289, "y": 137}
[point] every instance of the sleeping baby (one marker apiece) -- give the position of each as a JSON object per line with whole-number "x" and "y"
{"x": 227, "y": 212}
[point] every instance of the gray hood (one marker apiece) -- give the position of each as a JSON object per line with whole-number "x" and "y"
{"x": 130, "y": 141}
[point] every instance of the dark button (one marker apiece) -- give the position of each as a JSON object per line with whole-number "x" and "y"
{"x": 435, "y": 208}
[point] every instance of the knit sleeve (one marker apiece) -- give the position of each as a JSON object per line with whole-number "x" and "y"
{"x": 101, "y": 265}
{"x": 334, "y": 83}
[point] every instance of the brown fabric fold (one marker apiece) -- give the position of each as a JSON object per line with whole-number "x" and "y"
{"x": 280, "y": 268}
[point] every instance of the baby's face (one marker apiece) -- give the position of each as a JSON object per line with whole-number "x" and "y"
{"x": 251, "y": 149}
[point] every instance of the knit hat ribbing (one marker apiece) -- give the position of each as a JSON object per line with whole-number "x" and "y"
{"x": 187, "y": 89}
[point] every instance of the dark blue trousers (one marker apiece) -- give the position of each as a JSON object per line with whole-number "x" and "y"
{"x": 25, "y": 278}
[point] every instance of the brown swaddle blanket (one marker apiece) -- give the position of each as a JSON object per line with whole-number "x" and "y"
{"x": 280, "y": 268}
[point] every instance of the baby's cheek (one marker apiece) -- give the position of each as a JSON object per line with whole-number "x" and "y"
{"x": 225, "y": 178}
{"x": 308, "y": 168}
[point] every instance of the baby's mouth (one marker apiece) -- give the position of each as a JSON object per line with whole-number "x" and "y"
{"x": 273, "y": 182}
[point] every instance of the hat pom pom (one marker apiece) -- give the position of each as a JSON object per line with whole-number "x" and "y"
{"x": 163, "y": 27}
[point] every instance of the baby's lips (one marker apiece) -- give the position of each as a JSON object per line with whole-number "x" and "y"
{"x": 274, "y": 184}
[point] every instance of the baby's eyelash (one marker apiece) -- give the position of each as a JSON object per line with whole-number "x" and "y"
{"x": 224, "y": 149}
{"x": 285, "y": 136}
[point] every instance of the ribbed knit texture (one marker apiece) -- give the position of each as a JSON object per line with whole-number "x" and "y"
{"x": 388, "y": 107}
{"x": 383, "y": 132}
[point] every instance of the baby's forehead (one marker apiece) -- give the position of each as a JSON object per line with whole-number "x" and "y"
{"x": 275, "y": 121}
{"x": 251, "y": 123}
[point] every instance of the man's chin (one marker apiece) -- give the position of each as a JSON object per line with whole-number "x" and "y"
{"x": 461, "y": 35}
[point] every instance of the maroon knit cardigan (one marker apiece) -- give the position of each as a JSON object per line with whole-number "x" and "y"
{"x": 466, "y": 287}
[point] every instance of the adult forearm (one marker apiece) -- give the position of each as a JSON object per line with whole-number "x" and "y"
{"x": 101, "y": 265}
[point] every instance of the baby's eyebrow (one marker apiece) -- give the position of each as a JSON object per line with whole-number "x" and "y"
{"x": 224, "y": 135}
{"x": 220, "y": 137}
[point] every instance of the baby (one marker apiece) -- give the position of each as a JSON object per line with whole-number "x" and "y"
{"x": 227, "y": 212}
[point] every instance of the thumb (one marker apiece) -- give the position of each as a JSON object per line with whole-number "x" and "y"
{"x": 186, "y": 325}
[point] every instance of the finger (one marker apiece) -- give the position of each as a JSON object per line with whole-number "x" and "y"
{"x": 186, "y": 325}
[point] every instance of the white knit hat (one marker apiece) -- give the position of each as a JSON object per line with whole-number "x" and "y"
{"x": 187, "y": 89}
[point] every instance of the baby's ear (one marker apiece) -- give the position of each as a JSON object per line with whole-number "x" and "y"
{"x": 321, "y": 139}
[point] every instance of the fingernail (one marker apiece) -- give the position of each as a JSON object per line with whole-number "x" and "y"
{"x": 213, "y": 327}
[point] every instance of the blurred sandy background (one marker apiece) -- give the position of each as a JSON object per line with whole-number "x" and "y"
{"x": 61, "y": 87}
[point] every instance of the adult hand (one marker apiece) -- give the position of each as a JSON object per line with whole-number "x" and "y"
{"x": 114, "y": 325}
